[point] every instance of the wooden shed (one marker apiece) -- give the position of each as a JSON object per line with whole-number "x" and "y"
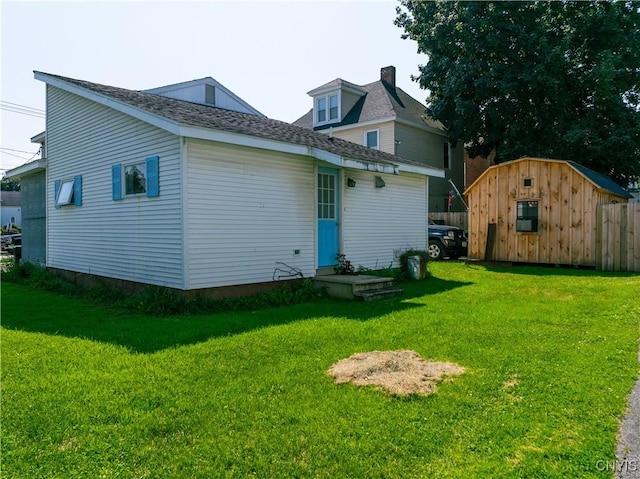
{"x": 535, "y": 210}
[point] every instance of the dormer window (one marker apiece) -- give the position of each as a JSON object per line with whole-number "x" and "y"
{"x": 327, "y": 109}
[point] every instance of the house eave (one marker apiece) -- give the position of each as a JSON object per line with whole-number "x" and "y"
{"x": 27, "y": 169}
{"x": 39, "y": 138}
{"x": 155, "y": 120}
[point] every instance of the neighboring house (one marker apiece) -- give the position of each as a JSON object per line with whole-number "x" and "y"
{"x": 162, "y": 191}
{"x": 382, "y": 116}
{"x": 10, "y": 208}
{"x": 32, "y": 178}
{"x": 206, "y": 91}
{"x": 535, "y": 210}
{"x": 475, "y": 166}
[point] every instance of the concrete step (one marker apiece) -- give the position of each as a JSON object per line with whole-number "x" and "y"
{"x": 348, "y": 286}
{"x": 372, "y": 294}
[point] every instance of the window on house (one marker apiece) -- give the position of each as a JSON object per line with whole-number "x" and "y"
{"x": 371, "y": 139}
{"x": 527, "y": 216}
{"x": 447, "y": 156}
{"x": 333, "y": 107}
{"x": 321, "y": 110}
{"x": 65, "y": 193}
{"x": 327, "y": 109}
{"x": 68, "y": 191}
{"x": 135, "y": 179}
{"x": 210, "y": 94}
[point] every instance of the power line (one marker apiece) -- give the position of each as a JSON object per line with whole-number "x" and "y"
{"x": 21, "y": 112}
{"x": 35, "y": 110}
{"x": 19, "y": 151}
{"x": 14, "y": 155}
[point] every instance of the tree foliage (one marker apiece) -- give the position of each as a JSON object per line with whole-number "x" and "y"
{"x": 7, "y": 184}
{"x": 548, "y": 79}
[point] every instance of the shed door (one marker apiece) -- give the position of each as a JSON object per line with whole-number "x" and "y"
{"x": 327, "y": 217}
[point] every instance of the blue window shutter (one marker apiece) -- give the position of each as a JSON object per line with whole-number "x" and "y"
{"x": 56, "y": 190}
{"x": 153, "y": 176}
{"x": 116, "y": 181}
{"x": 77, "y": 190}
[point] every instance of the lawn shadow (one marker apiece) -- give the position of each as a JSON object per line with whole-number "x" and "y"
{"x": 38, "y": 311}
{"x": 552, "y": 270}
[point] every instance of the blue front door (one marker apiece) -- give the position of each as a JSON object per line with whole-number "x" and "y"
{"x": 328, "y": 208}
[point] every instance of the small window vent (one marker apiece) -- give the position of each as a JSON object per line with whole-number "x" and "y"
{"x": 210, "y": 94}
{"x": 528, "y": 182}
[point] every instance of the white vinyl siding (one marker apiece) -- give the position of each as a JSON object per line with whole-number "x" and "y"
{"x": 380, "y": 221}
{"x": 247, "y": 210}
{"x": 136, "y": 239}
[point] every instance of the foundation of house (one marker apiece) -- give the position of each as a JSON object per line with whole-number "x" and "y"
{"x": 360, "y": 287}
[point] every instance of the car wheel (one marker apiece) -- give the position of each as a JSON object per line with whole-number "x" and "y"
{"x": 436, "y": 251}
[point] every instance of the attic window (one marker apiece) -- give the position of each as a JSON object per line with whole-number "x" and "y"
{"x": 327, "y": 109}
{"x": 210, "y": 94}
{"x": 528, "y": 182}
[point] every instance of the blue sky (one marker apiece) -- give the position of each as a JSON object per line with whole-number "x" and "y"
{"x": 270, "y": 53}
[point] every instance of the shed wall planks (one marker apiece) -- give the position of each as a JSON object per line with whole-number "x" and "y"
{"x": 567, "y": 225}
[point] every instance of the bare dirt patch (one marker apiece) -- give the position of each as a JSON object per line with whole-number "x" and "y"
{"x": 398, "y": 372}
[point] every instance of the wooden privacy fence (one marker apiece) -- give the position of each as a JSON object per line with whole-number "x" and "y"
{"x": 618, "y": 237}
{"x": 459, "y": 219}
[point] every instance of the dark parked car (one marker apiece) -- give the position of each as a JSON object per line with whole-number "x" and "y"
{"x": 7, "y": 242}
{"x": 446, "y": 240}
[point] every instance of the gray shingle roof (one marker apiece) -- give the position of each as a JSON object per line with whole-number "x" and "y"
{"x": 193, "y": 114}
{"x": 602, "y": 181}
{"x": 380, "y": 101}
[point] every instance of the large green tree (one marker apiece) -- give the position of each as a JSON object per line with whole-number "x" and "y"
{"x": 549, "y": 79}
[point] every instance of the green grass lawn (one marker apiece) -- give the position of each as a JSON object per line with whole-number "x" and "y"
{"x": 551, "y": 354}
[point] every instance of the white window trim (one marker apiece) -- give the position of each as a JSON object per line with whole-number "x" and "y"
{"x": 327, "y": 97}
{"x": 377, "y": 131}
{"x": 65, "y": 195}
{"x": 124, "y": 179}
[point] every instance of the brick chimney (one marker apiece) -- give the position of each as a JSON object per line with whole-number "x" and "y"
{"x": 388, "y": 75}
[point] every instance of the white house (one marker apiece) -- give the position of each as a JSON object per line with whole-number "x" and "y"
{"x": 157, "y": 190}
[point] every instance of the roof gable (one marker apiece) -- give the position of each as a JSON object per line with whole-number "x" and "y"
{"x": 600, "y": 181}
{"x": 194, "y": 91}
{"x": 379, "y": 102}
{"x": 208, "y": 122}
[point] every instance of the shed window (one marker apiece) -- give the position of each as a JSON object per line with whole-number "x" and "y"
{"x": 528, "y": 182}
{"x": 527, "y": 216}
